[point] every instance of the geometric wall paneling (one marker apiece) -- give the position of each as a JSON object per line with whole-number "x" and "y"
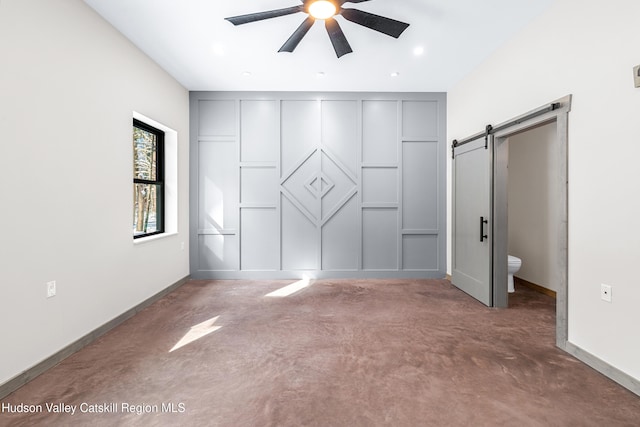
{"x": 420, "y": 120}
{"x": 328, "y": 185}
{"x": 419, "y": 252}
{"x": 259, "y": 131}
{"x": 300, "y": 239}
{"x": 340, "y": 132}
{"x": 380, "y": 132}
{"x": 380, "y": 186}
{"x": 300, "y": 132}
{"x": 339, "y": 185}
{"x": 217, "y": 187}
{"x": 260, "y": 244}
{"x": 380, "y": 239}
{"x": 341, "y": 240}
{"x": 303, "y": 185}
{"x": 218, "y": 252}
{"x": 419, "y": 185}
{"x": 216, "y": 118}
{"x": 259, "y": 186}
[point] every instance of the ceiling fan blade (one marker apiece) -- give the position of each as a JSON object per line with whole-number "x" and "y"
{"x": 253, "y": 17}
{"x": 388, "y": 26}
{"x": 338, "y": 40}
{"x": 353, "y": 1}
{"x": 296, "y": 37}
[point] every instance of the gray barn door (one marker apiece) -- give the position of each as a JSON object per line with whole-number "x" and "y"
{"x": 472, "y": 233}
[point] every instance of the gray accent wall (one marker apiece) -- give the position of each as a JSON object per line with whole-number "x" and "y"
{"x": 318, "y": 184}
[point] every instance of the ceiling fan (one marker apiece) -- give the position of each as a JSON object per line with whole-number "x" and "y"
{"x": 326, "y": 10}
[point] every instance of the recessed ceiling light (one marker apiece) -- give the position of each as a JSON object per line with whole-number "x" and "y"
{"x": 246, "y": 73}
{"x": 322, "y": 9}
{"x": 418, "y": 50}
{"x": 395, "y": 74}
{"x": 320, "y": 74}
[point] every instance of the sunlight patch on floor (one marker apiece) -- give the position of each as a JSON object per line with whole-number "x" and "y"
{"x": 291, "y": 289}
{"x": 196, "y": 332}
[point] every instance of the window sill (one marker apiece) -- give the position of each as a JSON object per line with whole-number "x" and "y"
{"x": 153, "y": 238}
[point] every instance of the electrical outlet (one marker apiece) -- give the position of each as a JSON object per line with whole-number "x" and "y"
{"x": 51, "y": 289}
{"x": 636, "y": 75}
{"x": 605, "y": 292}
{"x": 182, "y": 246}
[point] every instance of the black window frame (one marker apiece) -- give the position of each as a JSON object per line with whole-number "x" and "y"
{"x": 159, "y": 181}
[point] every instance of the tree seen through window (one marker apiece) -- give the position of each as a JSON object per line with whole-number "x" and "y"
{"x": 148, "y": 183}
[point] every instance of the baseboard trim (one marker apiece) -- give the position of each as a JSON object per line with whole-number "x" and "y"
{"x": 51, "y": 361}
{"x": 614, "y": 374}
{"x": 537, "y": 288}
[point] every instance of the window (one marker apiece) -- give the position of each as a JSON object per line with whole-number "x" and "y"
{"x": 148, "y": 180}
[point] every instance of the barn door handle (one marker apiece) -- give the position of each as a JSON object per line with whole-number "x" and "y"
{"x": 482, "y": 223}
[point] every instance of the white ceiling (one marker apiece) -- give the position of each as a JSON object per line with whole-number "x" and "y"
{"x": 191, "y": 40}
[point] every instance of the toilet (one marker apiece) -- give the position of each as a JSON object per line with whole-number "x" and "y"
{"x": 513, "y": 265}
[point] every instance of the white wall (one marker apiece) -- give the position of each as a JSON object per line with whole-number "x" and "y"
{"x": 69, "y": 84}
{"x": 588, "y": 49}
{"x": 533, "y": 205}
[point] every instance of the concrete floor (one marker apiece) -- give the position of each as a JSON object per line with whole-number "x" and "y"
{"x": 337, "y": 353}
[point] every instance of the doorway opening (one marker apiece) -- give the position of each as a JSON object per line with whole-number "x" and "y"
{"x": 533, "y": 215}
{"x": 555, "y": 260}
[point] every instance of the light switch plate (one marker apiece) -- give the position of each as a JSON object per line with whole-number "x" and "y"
{"x": 636, "y": 75}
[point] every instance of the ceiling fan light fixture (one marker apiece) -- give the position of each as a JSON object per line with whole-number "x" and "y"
{"x": 322, "y": 9}
{"x": 326, "y": 10}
